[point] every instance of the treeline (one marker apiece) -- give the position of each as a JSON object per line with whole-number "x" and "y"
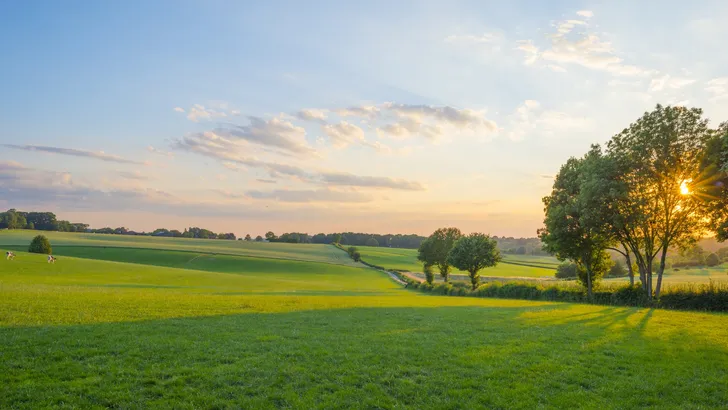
{"x": 42, "y": 221}
{"x": 47, "y": 221}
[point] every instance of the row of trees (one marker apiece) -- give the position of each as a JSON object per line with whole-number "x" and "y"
{"x": 42, "y": 221}
{"x": 660, "y": 184}
{"x": 448, "y": 247}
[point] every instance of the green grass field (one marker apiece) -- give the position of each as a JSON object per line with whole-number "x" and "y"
{"x": 178, "y": 328}
{"x": 512, "y": 266}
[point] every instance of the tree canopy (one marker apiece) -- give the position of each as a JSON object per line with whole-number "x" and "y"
{"x": 473, "y": 253}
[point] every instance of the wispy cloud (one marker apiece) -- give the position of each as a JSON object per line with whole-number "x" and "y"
{"x": 100, "y": 155}
{"x": 312, "y": 114}
{"x": 343, "y": 134}
{"x": 159, "y": 152}
{"x": 315, "y": 195}
{"x": 135, "y": 175}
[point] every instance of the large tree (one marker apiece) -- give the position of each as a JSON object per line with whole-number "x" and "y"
{"x": 436, "y": 248}
{"x": 473, "y": 253}
{"x": 569, "y": 233}
{"x": 665, "y": 186}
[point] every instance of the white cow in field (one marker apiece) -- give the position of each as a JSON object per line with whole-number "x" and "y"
{"x": 9, "y": 255}
{"x": 51, "y": 259}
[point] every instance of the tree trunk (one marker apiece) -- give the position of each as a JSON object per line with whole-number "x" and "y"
{"x": 474, "y": 279}
{"x": 648, "y": 276}
{"x": 629, "y": 268}
{"x": 588, "y": 282}
{"x": 661, "y": 270}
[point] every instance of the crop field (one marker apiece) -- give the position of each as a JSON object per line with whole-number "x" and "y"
{"x": 170, "y": 327}
{"x": 512, "y": 265}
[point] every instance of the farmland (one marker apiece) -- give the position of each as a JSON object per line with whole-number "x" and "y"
{"x": 512, "y": 265}
{"x": 170, "y": 323}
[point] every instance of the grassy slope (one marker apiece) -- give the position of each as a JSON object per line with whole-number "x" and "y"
{"x": 89, "y": 333}
{"x": 406, "y": 259}
{"x": 62, "y": 241}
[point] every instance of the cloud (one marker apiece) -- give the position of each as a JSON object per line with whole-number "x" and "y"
{"x": 365, "y": 111}
{"x": 73, "y": 152}
{"x": 718, "y": 88}
{"x": 316, "y": 195}
{"x": 433, "y": 121}
{"x": 136, "y": 175}
{"x": 274, "y": 133}
{"x": 530, "y": 119}
{"x": 585, "y": 13}
{"x": 546, "y": 176}
{"x": 556, "y": 68}
{"x": 588, "y": 50}
{"x": 266, "y": 181}
{"x": 667, "y": 81}
{"x": 159, "y": 152}
{"x": 7, "y": 166}
{"x": 343, "y": 134}
{"x": 470, "y": 38}
{"x": 179, "y": 109}
{"x": 344, "y": 179}
{"x": 199, "y": 112}
{"x": 311, "y": 114}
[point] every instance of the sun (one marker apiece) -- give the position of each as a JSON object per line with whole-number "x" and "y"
{"x": 684, "y": 189}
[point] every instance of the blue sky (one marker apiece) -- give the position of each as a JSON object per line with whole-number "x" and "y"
{"x": 323, "y": 116}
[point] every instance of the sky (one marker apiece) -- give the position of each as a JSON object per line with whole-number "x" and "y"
{"x": 326, "y": 116}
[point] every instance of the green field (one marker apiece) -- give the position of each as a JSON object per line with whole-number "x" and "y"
{"x": 512, "y": 265}
{"x": 181, "y": 328}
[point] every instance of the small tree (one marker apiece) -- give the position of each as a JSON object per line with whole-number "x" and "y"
{"x": 472, "y": 253}
{"x": 429, "y": 274}
{"x": 248, "y": 238}
{"x": 372, "y": 242}
{"x": 259, "y": 238}
{"x": 40, "y": 244}
{"x": 712, "y": 260}
{"x": 270, "y": 236}
{"x": 436, "y": 248}
{"x": 356, "y": 256}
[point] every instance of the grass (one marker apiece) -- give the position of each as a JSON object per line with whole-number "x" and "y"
{"x": 192, "y": 330}
{"x": 62, "y": 241}
{"x": 406, "y": 259}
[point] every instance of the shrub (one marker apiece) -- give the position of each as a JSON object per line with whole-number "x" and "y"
{"x": 567, "y": 270}
{"x": 356, "y": 256}
{"x": 617, "y": 270}
{"x": 40, "y": 244}
{"x": 712, "y": 260}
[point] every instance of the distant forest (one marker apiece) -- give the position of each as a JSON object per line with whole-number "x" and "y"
{"x": 47, "y": 221}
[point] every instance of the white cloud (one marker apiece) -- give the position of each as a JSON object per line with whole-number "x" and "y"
{"x": 588, "y": 50}
{"x": 365, "y": 111}
{"x": 199, "y": 112}
{"x": 530, "y": 120}
{"x": 179, "y": 109}
{"x": 314, "y": 195}
{"x": 343, "y": 134}
{"x": 312, "y": 114}
{"x": 718, "y": 88}
{"x": 585, "y": 13}
{"x": 159, "y": 152}
{"x": 666, "y": 81}
{"x": 274, "y": 133}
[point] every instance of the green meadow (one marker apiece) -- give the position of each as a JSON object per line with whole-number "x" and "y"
{"x": 175, "y": 323}
{"x": 511, "y": 266}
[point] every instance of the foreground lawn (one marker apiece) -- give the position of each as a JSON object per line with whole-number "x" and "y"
{"x": 86, "y": 333}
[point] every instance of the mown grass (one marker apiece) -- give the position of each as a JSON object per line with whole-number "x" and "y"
{"x": 89, "y": 333}
{"x": 406, "y": 259}
{"x": 63, "y": 241}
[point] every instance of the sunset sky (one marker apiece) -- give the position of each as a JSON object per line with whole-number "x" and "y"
{"x": 323, "y": 116}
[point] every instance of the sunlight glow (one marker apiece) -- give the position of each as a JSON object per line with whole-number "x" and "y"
{"x": 684, "y": 189}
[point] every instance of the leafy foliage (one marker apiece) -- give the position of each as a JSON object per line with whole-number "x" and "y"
{"x": 40, "y": 244}
{"x": 473, "y": 253}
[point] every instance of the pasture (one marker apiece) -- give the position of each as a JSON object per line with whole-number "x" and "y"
{"x": 165, "y": 327}
{"x": 512, "y": 265}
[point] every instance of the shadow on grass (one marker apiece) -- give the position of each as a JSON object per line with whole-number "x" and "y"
{"x": 444, "y": 357}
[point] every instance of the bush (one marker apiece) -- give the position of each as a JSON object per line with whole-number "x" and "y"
{"x": 567, "y": 270}
{"x": 705, "y": 297}
{"x": 40, "y": 244}
{"x": 356, "y": 256}
{"x": 617, "y": 270}
{"x": 712, "y": 260}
